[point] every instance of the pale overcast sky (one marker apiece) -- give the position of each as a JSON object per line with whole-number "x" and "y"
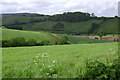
{"x": 99, "y": 7}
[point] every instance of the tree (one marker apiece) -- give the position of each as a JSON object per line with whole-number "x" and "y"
{"x": 92, "y": 15}
{"x": 116, "y": 16}
{"x": 101, "y": 34}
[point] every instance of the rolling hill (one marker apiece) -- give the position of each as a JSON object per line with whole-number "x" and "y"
{"x": 42, "y": 35}
{"x": 38, "y": 36}
{"x": 36, "y": 22}
{"x": 109, "y": 26}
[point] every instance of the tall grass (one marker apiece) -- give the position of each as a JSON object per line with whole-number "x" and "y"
{"x": 41, "y": 67}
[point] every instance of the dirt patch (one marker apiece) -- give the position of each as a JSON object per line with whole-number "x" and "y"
{"x": 114, "y": 38}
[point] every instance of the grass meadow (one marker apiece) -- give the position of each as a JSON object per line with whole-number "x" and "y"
{"x": 55, "y": 61}
{"x": 108, "y": 26}
{"x": 38, "y": 36}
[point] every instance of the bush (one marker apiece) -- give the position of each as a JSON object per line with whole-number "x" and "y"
{"x": 31, "y": 42}
{"x": 64, "y": 40}
{"x": 44, "y": 42}
{"x": 4, "y": 43}
{"x": 18, "y": 41}
{"x": 96, "y": 38}
{"x": 97, "y": 69}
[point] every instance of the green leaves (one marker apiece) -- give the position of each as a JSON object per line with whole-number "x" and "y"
{"x": 97, "y": 69}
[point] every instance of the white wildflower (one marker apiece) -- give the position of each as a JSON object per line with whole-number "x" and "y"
{"x": 47, "y": 73}
{"x": 40, "y": 69}
{"x": 34, "y": 61}
{"x": 54, "y": 62}
{"x": 45, "y": 55}
{"x": 50, "y": 69}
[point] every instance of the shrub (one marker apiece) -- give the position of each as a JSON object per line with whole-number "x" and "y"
{"x": 31, "y": 42}
{"x": 18, "y": 41}
{"x": 4, "y": 43}
{"x": 97, "y": 69}
{"x": 44, "y": 42}
{"x": 96, "y": 38}
{"x": 64, "y": 40}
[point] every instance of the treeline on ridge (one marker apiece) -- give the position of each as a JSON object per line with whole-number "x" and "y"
{"x": 66, "y": 17}
{"x": 70, "y": 17}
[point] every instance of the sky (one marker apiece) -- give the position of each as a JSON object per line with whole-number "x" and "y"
{"x": 50, "y": 7}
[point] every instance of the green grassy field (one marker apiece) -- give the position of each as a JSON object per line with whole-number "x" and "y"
{"x": 57, "y": 61}
{"x": 62, "y": 61}
{"x": 38, "y": 36}
{"x": 68, "y": 26}
{"x": 76, "y": 40}
{"x": 109, "y": 26}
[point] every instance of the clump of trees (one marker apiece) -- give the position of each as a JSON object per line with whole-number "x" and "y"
{"x": 70, "y": 17}
{"x": 21, "y": 41}
{"x": 64, "y": 40}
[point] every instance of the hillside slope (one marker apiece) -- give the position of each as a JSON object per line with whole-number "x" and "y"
{"x": 39, "y": 23}
{"x": 109, "y": 26}
{"x": 39, "y": 36}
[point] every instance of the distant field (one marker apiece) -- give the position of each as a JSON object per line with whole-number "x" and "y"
{"x": 109, "y": 26}
{"x": 63, "y": 60}
{"x": 68, "y": 26}
{"x": 39, "y": 36}
{"x": 76, "y": 40}
{"x": 19, "y": 19}
{"x": 72, "y": 27}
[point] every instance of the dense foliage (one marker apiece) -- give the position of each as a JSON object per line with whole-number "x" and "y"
{"x": 97, "y": 69}
{"x": 21, "y": 41}
{"x": 70, "y": 17}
